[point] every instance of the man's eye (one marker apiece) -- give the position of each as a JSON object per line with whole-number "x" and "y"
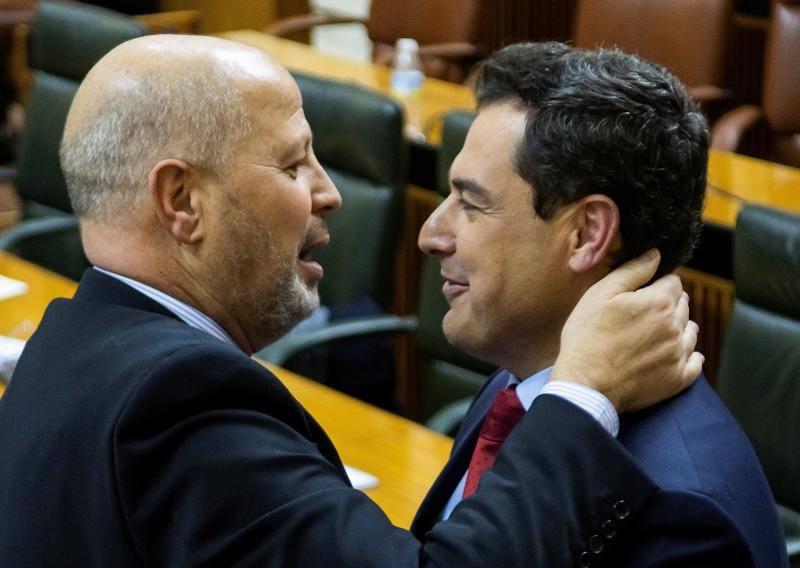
{"x": 466, "y": 205}
{"x": 292, "y": 171}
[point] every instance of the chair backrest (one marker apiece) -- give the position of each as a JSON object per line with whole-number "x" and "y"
{"x": 448, "y": 374}
{"x": 781, "y": 96}
{"x": 689, "y": 37}
{"x": 427, "y": 21}
{"x": 67, "y": 40}
{"x": 358, "y": 138}
{"x": 759, "y": 376}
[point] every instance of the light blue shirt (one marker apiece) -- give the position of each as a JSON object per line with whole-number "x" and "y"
{"x": 583, "y": 397}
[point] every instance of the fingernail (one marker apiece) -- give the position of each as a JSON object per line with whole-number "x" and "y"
{"x": 652, "y": 254}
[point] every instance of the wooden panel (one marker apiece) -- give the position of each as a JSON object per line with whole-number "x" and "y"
{"x": 508, "y": 21}
{"x": 745, "y": 63}
{"x": 710, "y": 305}
{"x": 419, "y": 204}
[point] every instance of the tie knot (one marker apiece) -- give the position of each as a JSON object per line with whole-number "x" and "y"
{"x": 506, "y": 411}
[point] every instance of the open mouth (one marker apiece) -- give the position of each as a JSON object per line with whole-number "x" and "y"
{"x": 312, "y": 269}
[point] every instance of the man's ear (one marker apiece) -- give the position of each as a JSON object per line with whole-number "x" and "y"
{"x": 595, "y": 233}
{"x": 176, "y": 198}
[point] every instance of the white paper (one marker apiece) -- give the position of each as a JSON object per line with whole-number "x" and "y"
{"x": 10, "y": 350}
{"x": 10, "y": 287}
{"x": 360, "y": 479}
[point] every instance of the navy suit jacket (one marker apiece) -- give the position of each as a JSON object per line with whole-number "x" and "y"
{"x": 713, "y": 506}
{"x": 128, "y": 438}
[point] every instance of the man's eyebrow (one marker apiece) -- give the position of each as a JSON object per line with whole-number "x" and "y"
{"x": 472, "y": 187}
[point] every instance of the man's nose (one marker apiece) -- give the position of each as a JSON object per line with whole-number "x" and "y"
{"x": 436, "y": 236}
{"x": 326, "y": 197}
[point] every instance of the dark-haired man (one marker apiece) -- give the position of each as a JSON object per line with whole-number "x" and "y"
{"x": 576, "y": 162}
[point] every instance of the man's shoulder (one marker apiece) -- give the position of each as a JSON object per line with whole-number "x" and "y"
{"x": 695, "y": 451}
{"x": 690, "y": 441}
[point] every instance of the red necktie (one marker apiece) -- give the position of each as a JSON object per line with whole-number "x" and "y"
{"x": 506, "y": 411}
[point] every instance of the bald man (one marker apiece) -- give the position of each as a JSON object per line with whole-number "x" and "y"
{"x": 138, "y": 431}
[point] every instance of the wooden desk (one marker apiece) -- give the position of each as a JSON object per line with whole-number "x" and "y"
{"x": 734, "y": 179}
{"x": 405, "y": 456}
{"x": 424, "y": 109}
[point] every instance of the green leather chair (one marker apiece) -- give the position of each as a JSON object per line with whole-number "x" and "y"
{"x": 68, "y": 39}
{"x": 359, "y": 140}
{"x": 759, "y": 377}
{"x": 449, "y": 376}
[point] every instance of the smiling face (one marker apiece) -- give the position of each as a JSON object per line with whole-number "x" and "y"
{"x": 269, "y": 214}
{"x": 506, "y": 274}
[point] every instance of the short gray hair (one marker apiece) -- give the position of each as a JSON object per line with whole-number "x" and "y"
{"x": 197, "y": 117}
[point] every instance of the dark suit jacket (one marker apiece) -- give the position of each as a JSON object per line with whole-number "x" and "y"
{"x": 713, "y": 506}
{"x": 128, "y": 438}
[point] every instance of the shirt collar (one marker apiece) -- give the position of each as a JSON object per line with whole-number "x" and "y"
{"x": 189, "y": 315}
{"x": 530, "y": 388}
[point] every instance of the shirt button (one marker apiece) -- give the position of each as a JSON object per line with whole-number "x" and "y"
{"x": 596, "y": 544}
{"x": 621, "y": 511}
{"x": 585, "y": 560}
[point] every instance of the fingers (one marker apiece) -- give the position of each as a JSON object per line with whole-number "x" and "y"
{"x": 693, "y": 368}
{"x": 689, "y": 338}
{"x": 632, "y": 275}
{"x": 682, "y": 310}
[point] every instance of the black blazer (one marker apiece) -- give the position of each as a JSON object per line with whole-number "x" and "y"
{"x": 128, "y": 438}
{"x": 713, "y": 506}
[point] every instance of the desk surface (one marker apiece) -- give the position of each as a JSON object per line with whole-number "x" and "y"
{"x": 403, "y": 455}
{"x": 424, "y": 109}
{"x": 734, "y": 179}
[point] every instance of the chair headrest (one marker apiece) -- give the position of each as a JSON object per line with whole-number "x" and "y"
{"x": 766, "y": 260}
{"x": 455, "y": 125}
{"x": 69, "y": 38}
{"x": 356, "y": 130}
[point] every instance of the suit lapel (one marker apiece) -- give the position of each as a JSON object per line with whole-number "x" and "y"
{"x": 463, "y": 446}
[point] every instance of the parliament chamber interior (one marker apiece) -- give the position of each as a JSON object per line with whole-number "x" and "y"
{"x": 373, "y": 364}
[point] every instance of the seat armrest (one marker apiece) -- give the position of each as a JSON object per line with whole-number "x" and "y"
{"x": 790, "y": 520}
{"x": 447, "y": 419}
{"x": 449, "y": 50}
{"x": 709, "y": 93}
{"x": 34, "y": 228}
{"x": 728, "y": 131}
{"x": 285, "y": 27}
{"x": 289, "y": 345}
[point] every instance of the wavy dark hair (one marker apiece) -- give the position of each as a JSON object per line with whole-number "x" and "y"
{"x": 610, "y": 123}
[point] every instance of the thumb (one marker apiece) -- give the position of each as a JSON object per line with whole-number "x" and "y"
{"x": 630, "y": 276}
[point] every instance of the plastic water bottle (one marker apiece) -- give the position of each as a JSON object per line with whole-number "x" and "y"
{"x": 407, "y": 73}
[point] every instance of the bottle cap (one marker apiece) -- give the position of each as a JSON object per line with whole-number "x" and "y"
{"x": 407, "y": 44}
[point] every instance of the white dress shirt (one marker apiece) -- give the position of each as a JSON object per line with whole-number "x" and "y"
{"x": 589, "y": 400}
